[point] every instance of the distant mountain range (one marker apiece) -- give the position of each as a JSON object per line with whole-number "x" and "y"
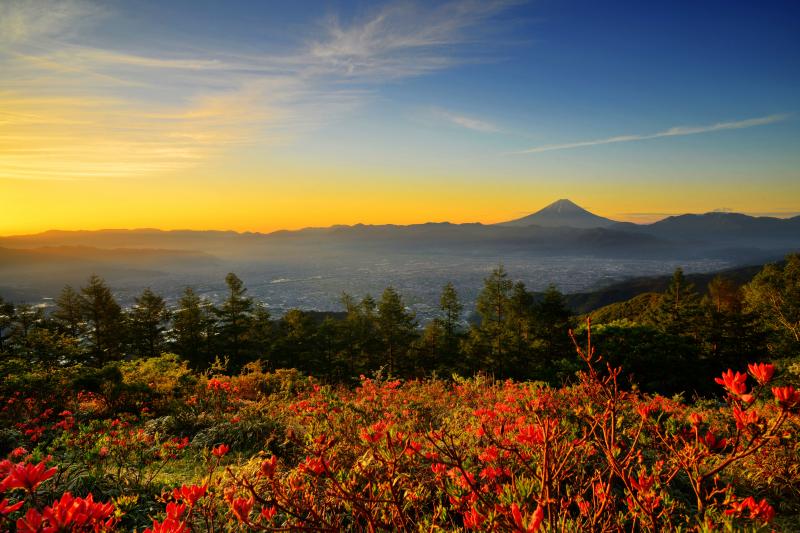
{"x": 561, "y": 228}
{"x": 562, "y": 243}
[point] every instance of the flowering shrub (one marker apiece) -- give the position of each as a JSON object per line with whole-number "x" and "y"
{"x": 471, "y": 454}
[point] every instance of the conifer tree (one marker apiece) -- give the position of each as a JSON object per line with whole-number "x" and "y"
{"x": 148, "y": 321}
{"x": 552, "y": 323}
{"x": 191, "y": 324}
{"x": 235, "y": 320}
{"x": 396, "y": 327}
{"x": 103, "y": 316}
{"x": 68, "y": 313}
{"x": 678, "y": 308}
{"x": 490, "y": 340}
{"x": 445, "y": 330}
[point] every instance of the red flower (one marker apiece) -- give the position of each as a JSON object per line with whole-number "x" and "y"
{"x": 241, "y": 507}
{"x": 762, "y": 372}
{"x": 189, "y": 495}
{"x": 757, "y": 510}
{"x": 473, "y": 519}
{"x": 268, "y": 513}
{"x": 530, "y": 435}
{"x": 8, "y": 509}
{"x": 69, "y": 514}
{"x": 27, "y": 476}
{"x": 268, "y": 467}
{"x": 19, "y": 452}
{"x": 221, "y": 450}
{"x": 744, "y": 418}
{"x": 535, "y": 522}
{"x": 30, "y": 523}
{"x": 314, "y": 465}
{"x": 175, "y": 511}
{"x": 786, "y": 396}
{"x": 167, "y": 526}
{"x": 712, "y": 443}
{"x": 734, "y": 383}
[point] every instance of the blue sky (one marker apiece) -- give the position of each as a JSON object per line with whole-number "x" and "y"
{"x": 490, "y": 108}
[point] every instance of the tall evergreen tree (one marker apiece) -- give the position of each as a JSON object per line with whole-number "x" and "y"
{"x": 446, "y": 331}
{"x": 396, "y": 327}
{"x": 732, "y": 336}
{"x": 490, "y": 340}
{"x": 235, "y": 321}
{"x": 552, "y": 323}
{"x": 103, "y": 316}
{"x": 148, "y": 321}
{"x": 192, "y": 324}
{"x": 262, "y": 333}
{"x": 678, "y": 308}
{"x": 520, "y": 325}
{"x": 68, "y": 313}
{"x": 451, "y": 308}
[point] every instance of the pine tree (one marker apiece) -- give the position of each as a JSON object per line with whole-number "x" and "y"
{"x": 68, "y": 314}
{"x": 262, "y": 332}
{"x": 447, "y": 330}
{"x": 103, "y": 316}
{"x": 490, "y": 340}
{"x": 396, "y": 327}
{"x": 192, "y": 326}
{"x": 235, "y": 321}
{"x": 678, "y": 308}
{"x": 147, "y": 321}
{"x": 552, "y": 324}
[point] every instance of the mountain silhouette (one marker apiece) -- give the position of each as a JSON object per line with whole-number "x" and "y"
{"x": 561, "y": 213}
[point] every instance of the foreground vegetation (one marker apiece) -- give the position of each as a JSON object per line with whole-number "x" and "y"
{"x": 158, "y": 447}
{"x": 683, "y": 426}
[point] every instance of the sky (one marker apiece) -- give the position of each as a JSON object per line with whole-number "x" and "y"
{"x": 258, "y": 116}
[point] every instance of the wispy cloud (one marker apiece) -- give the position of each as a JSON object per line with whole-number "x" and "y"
{"x": 464, "y": 121}
{"x": 75, "y": 109}
{"x": 26, "y": 20}
{"x": 402, "y": 39}
{"x": 676, "y": 131}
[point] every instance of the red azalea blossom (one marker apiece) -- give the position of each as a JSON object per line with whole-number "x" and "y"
{"x": 268, "y": 513}
{"x": 786, "y": 396}
{"x": 5, "y": 508}
{"x": 473, "y": 519}
{"x": 314, "y": 465}
{"x": 241, "y": 508}
{"x": 744, "y": 418}
{"x": 167, "y": 526}
{"x": 190, "y": 494}
{"x": 19, "y": 452}
{"x": 69, "y": 514}
{"x": 27, "y": 476}
{"x": 755, "y": 510}
{"x": 175, "y": 511}
{"x": 534, "y": 522}
{"x": 268, "y": 467}
{"x": 734, "y": 383}
{"x": 762, "y": 372}
{"x": 221, "y": 450}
